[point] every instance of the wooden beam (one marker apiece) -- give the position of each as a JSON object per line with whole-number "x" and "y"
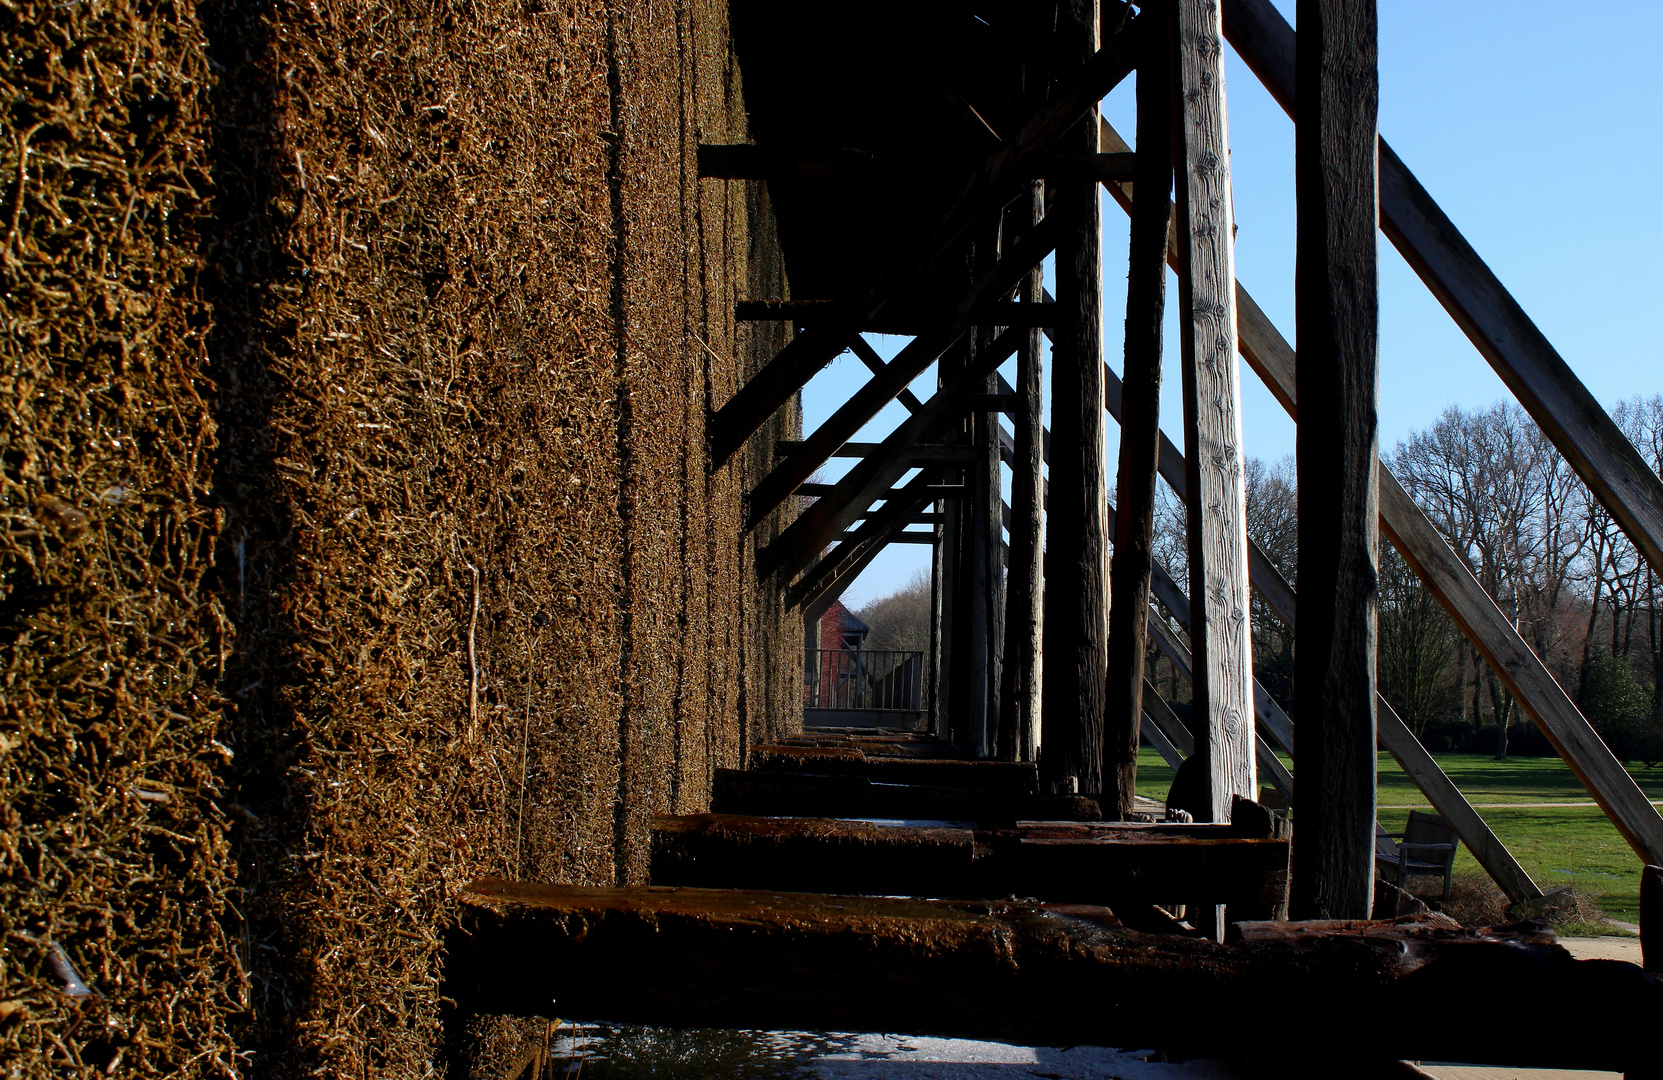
{"x": 1651, "y": 918}
{"x": 986, "y": 189}
{"x": 838, "y": 506}
{"x": 983, "y": 775}
{"x": 807, "y": 795}
{"x": 1076, "y": 528}
{"x": 901, "y": 321}
{"x": 875, "y": 364}
{"x": 1083, "y": 864}
{"x": 1155, "y": 736}
{"x": 747, "y": 161}
{"x": 1212, "y": 412}
{"x": 908, "y": 364}
{"x": 1035, "y": 974}
{"x": 844, "y": 562}
{"x": 1155, "y": 708}
{"x": 918, "y": 453}
{"x": 1486, "y": 312}
{"x": 1140, "y": 423}
{"x": 1021, "y": 673}
{"x": 1337, "y": 296}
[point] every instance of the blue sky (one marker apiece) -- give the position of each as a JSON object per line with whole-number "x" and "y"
{"x": 1538, "y": 128}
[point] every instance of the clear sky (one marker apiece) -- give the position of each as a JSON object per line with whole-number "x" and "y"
{"x": 1528, "y": 122}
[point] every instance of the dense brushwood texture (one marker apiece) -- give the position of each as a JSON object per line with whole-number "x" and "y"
{"x": 358, "y": 537}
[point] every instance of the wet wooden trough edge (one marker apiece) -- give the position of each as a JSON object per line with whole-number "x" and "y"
{"x": 1039, "y": 973}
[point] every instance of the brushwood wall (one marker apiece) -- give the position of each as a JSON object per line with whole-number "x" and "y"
{"x": 358, "y": 536}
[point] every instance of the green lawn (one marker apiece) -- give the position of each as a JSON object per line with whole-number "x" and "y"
{"x": 1556, "y": 845}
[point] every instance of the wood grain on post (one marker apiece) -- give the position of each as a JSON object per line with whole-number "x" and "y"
{"x": 1076, "y": 586}
{"x": 1336, "y": 293}
{"x": 1140, "y": 422}
{"x": 1020, "y": 675}
{"x": 1212, "y": 412}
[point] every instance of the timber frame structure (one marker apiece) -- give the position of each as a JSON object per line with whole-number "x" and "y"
{"x": 920, "y": 189}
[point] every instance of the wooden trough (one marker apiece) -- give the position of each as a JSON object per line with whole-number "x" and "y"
{"x": 1042, "y": 973}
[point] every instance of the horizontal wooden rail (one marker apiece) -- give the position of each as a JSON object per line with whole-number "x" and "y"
{"x": 747, "y": 161}
{"x": 900, "y": 321}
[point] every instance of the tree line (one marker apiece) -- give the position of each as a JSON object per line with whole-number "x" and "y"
{"x": 1541, "y": 546}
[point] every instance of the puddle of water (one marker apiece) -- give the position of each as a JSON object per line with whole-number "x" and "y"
{"x": 636, "y": 1052}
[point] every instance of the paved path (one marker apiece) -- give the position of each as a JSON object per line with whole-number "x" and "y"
{"x": 1511, "y": 805}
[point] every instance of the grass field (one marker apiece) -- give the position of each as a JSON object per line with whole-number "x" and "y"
{"x": 1557, "y": 845}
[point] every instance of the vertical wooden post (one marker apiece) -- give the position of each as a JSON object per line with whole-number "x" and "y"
{"x": 1337, "y": 313}
{"x": 1140, "y": 432}
{"x": 940, "y": 611}
{"x": 1651, "y": 918}
{"x": 1076, "y": 587}
{"x": 1219, "y": 630}
{"x": 1019, "y": 690}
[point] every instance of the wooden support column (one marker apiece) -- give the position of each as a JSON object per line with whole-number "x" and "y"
{"x": 1336, "y": 292}
{"x": 1076, "y": 587}
{"x": 1019, "y": 689}
{"x": 1212, "y": 413}
{"x": 1140, "y": 431}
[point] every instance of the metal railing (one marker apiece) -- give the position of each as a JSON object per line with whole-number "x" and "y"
{"x": 879, "y": 680}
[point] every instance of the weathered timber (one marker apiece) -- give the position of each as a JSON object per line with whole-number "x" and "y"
{"x": 1033, "y": 973}
{"x": 875, "y": 364}
{"x": 1264, "y": 756}
{"x": 983, "y": 192}
{"x": 939, "y": 489}
{"x": 1336, "y": 293}
{"x": 821, "y": 585}
{"x": 1021, "y": 673}
{"x": 1140, "y": 422}
{"x": 1273, "y": 359}
{"x": 899, "y": 538}
{"x": 1155, "y": 736}
{"x": 1012, "y": 776}
{"x": 1212, "y": 412}
{"x": 1076, "y": 527}
{"x": 1651, "y": 917}
{"x": 808, "y": 795}
{"x": 838, "y": 506}
{"x": 1478, "y": 302}
{"x": 746, "y": 161}
{"x": 1128, "y": 865}
{"x": 934, "y": 453}
{"x": 900, "y": 321}
{"x": 907, "y": 365}
{"x": 987, "y": 579}
{"x": 1157, "y": 710}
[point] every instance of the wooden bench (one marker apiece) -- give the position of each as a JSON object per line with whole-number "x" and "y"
{"x": 1425, "y": 848}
